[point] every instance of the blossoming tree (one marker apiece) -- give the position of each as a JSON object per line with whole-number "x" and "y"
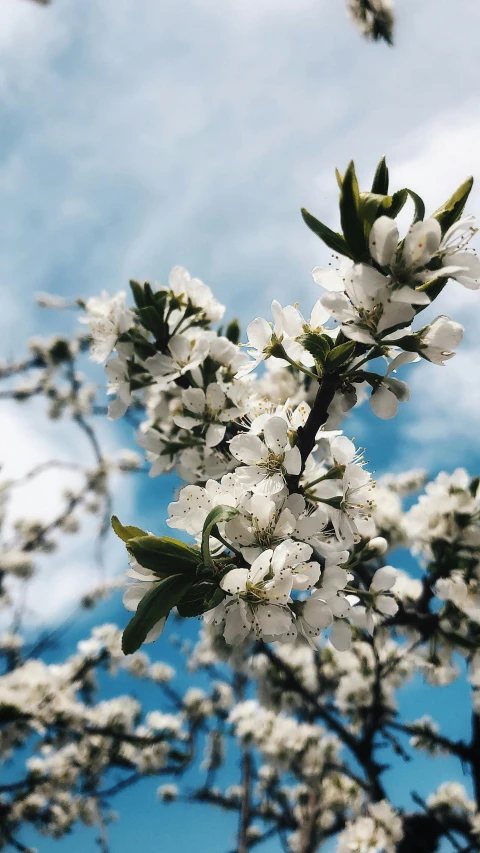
{"x": 307, "y": 633}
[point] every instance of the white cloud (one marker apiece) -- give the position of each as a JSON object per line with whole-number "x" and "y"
{"x": 28, "y": 439}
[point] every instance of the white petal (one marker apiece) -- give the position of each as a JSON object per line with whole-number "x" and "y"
{"x": 421, "y": 243}
{"x": 259, "y": 333}
{"x": 215, "y": 434}
{"x": 293, "y": 461}
{"x": 341, "y": 636}
{"x": 384, "y": 578}
{"x": 237, "y": 622}
{"x": 215, "y": 397}
{"x": 117, "y": 409}
{"x": 235, "y": 581}
{"x": 275, "y": 433}
{"x": 343, "y": 450}
{"x": 260, "y": 567}
{"x": 319, "y": 315}
{"x": 194, "y": 400}
{"x": 383, "y": 403}
{"x": 317, "y": 613}
{"x": 135, "y": 592}
{"x": 386, "y": 605}
{"x": 329, "y": 279}
{"x": 401, "y": 359}
{"x": 271, "y": 620}
{"x": 248, "y": 449}
{"x": 340, "y": 606}
{"x": 383, "y": 240}
{"x": 410, "y": 296}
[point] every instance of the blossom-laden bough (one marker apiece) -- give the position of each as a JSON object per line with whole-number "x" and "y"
{"x": 307, "y": 631}
{"x": 211, "y": 419}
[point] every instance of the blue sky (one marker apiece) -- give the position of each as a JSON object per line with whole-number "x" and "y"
{"x": 139, "y": 134}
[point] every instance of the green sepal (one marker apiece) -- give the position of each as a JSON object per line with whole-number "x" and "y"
{"x": 419, "y": 206}
{"x": 216, "y": 516}
{"x": 452, "y": 210}
{"x": 125, "y": 533}
{"x": 398, "y": 202}
{"x": 334, "y": 241}
{"x": 317, "y": 345}
{"x": 164, "y": 556}
{"x": 432, "y": 289}
{"x": 380, "y": 179}
{"x": 152, "y": 320}
{"x": 156, "y": 604}
{"x": 352, "y": 225}
{"x": 338, "y": 356}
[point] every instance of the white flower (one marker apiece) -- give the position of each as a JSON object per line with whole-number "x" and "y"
{"x": 369, "y": 307}
{"x": 260, "y": 340}
{"x": 186, "y": 353}
{"x": 108, "y": 319}
{"x": 438, "y": 340}
{"x": 187, "y": 289}
{"x": 348, "y": 499}
{"x": 324, "y": 604}
{"x": 266, "y": 463}
{"x": 465, "y": 596}
{"x": 156, "y": 445}
{"x": 209, "y": 408}
{"x": 119, "y": 383}
{"x": 195, "y": 502}
{"x": 384, "y": 399}
{"x": 262, "y": 524}
{"x": 257, "y": 600}
{"x": 422, "y": 243}
{"x": 383, "y": 581}
{"x": 290, "y": 325}
{"x": 466, "y": 265}
{"x": 145, "y": 581}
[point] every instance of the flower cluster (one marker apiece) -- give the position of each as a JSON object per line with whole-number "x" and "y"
{"x": 280, "y": 505}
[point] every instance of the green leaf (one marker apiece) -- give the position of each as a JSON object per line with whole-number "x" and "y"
{"x": 152, "y": 320}
{"x": 338, "y": 356}
{"x": 317, "y": 345}
{"x": 398, "y": 201}
{"x": 126, "y": 533}
{"x": 160, "y": 299}
{"x": 380, "y": 179}
{"x": 452, "y": 210}
{"x": 233, "y": 331}
{"x": 419, "y": 206}
{"x": 148, "y": 294}
{"x": 331, "y": 239}
{"x": 339, "y": 179}
{"x": 137, "y": 293}
{"x": 164, "y": 556}
{"x": 197, "y": 599}
{"x": 216, "y": 516}
{"x": 350, "y": 217}
{"x": 156, "y": 604}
